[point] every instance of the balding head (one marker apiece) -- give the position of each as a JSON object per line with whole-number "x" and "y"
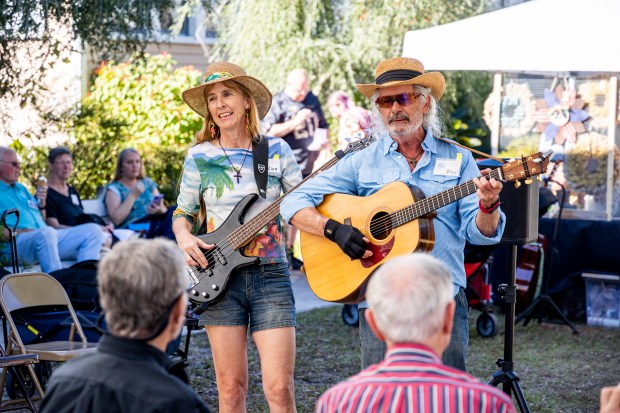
{"x": 297, "y": 86}
{"x": 409, "y": 297}
{"x": 9, "y": 165}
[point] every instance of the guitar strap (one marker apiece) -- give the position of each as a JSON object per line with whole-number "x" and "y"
{"x": 501, "y": 161}
{"x": 260, "y": 154}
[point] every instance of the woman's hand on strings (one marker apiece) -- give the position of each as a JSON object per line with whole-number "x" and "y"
{"x": 193, "y": 249}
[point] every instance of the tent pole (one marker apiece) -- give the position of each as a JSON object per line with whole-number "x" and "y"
{"x": 497, "y": 107}
{"x": 611, "y": 143}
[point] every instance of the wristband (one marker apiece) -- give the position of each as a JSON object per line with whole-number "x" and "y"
{"x": 41, "y": 208}
{"x": 491, "y": 209}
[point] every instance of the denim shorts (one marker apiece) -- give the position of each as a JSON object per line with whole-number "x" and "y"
{"x": 259, "y": 295}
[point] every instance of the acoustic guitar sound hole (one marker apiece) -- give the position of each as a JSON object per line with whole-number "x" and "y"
{"x": 381, "y": 226}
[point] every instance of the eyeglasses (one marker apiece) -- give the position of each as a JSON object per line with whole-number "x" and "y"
{"x": 218, "y": 75}
{"x": 15, "y": 164}
{"x": 403, "y": 99}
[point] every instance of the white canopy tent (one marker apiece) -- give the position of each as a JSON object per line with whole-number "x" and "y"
{"x": 539, "y": 35}
{"x": 552, "y": 37}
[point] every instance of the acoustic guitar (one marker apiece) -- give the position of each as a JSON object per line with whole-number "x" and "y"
{"x": 208, "y": 284}
{"x": 396, "y": 221}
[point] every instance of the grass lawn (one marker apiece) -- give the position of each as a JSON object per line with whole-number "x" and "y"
{"x": 559, "y": 371}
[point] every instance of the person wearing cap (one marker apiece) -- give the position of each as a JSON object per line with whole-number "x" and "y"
{"x": 217, "y": 174}
{"x": 410, "y": 306}
{"x": 409, "y": 149}
{"x": 37, "y": 242}
{"x": 144, "y": 311}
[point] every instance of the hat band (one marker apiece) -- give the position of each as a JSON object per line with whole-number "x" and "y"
{"x": 395, "y": 75}
{"x": 218, "y": 75}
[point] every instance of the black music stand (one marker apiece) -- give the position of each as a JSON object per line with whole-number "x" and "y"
{"x": 543, "y": 301}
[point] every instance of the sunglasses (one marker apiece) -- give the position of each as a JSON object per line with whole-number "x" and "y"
{"x": 15, "y": 164}
{"x": 218, "y": 75}
{"x": 403, "y": 99}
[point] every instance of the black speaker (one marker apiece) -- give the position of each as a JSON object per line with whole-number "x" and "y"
{"x": 521, "y": 208}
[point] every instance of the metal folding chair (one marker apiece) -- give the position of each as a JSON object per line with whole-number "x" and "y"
{"x": 32, "y": 290}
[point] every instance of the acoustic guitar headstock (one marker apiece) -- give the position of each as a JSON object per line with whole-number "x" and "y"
{"x": 526, "y": 167}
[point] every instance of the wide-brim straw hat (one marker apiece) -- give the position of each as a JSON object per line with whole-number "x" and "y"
{"x": 221, "y": 72}
{"x": 403, "y": 71}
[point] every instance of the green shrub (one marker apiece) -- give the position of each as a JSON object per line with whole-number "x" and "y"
{"x": 132, "y": 104}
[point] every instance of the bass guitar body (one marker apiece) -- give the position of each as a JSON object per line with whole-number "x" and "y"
{"x": 208, "y": 284}
{"x": 332, "y": 275}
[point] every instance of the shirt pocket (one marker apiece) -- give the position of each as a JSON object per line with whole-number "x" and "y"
{"x": 434, "y": 184}
{"x": 440, "y": 181}
{"x": 371, "y": 180}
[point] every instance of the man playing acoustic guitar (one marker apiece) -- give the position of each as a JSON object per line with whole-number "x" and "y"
{"x": 408, "y": 150}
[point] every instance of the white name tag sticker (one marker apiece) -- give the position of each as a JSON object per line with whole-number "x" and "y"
{"x": 74, "y": 199}
{"x": 274, "y": 166}
{"x": 447, "y": 167}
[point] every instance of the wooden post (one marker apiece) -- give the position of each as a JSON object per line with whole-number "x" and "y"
{"x": 611, "y": 143}
{"x": 497, "y": 107}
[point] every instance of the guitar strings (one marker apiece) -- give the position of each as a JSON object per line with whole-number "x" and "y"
{"x": 391, "y": 220}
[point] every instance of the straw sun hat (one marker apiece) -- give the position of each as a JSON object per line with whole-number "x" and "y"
{"x": 403, "y": 71}
{"x": 221, "y": 72}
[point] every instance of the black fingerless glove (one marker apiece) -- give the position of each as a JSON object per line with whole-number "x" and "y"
{"x": 349, "y": 239}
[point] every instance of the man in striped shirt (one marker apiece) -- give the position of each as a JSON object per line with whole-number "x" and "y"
{"x": 410, "y": 307}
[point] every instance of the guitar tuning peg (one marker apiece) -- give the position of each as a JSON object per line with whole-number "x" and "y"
{"x": 517, "y": 184}
{"x": 528, "y": 181}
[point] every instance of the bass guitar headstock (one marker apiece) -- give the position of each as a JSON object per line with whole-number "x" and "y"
{"x": 359, "y": 141}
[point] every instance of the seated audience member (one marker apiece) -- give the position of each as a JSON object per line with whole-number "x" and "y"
{"x": 132, "y": 198}
{"x": 36, "y": 241}
{"x": 410, "y": 307}
{"x": 610, "y": 399}
{"x": 351, "y": 118}
{"x": 144, "y": 311}
{"x": 64, "y": 206}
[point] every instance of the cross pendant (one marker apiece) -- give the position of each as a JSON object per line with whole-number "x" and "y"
{"x": 238, "y": 175}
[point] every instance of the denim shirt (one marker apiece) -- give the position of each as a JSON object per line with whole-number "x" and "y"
{"x": 365, "y": 172}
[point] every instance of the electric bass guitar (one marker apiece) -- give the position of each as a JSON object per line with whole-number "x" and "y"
{"x": 208, "y": 284}
{"x": 396, "y": 221}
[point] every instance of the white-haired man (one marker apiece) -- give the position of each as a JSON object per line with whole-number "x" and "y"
{"x": 410, "y": 307}
{"x": 409, "y": 149}
{"x": 142, "y": 288}
{"x": 36, "y": 241}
